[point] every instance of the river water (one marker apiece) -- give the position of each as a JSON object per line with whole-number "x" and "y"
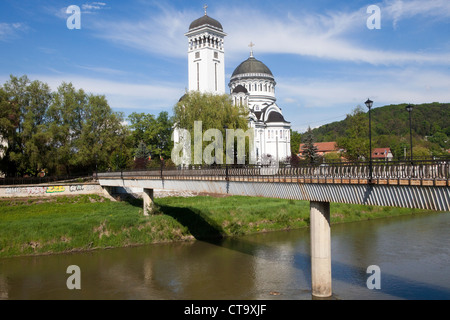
{"x": 412, "y": 253}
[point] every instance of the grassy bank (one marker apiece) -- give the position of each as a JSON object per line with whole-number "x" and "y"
{"x": 64, "y": 224}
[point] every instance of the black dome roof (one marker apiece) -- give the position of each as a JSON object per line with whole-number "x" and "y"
{"x": 251, "y": 65}
{"x": 275, "y": 117}
{"x": 240, "y": 88}
{"x": 206, "y": 20}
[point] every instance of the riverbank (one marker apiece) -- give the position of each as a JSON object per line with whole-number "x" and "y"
{"x": 33, "y": 226}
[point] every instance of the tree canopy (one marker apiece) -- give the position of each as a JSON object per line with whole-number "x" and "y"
{"x": 430, "y": 123}
{"x": 62, "y": 132}
{"x": 214, "y": 112}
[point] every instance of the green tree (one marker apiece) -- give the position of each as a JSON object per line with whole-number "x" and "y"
{"x": 309, "y": 148}
{"x": 156, "y": 133}
{"x": 356, "y": 139}
{"x": 296, "y": 139}
{"x": 441, "y": 139}
{"x": 214, "y": 111}
{"x": 23, "y": 112}
{"x": 421, "y": 152}
{"x": 102, "y": 134}
{"x": 141, "y": 156}
{"x": 86, "y": 133}
{"x": 66, "y": 116}
{"x": 141, "y": 125}
{"x": 332, "y": 157}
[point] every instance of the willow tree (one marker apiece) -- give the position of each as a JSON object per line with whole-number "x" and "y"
{"x": 213, "y": 112}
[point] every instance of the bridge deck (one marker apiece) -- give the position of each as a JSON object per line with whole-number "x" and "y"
{"x": 278, "y": 179}
{"x": 422, "y": 185}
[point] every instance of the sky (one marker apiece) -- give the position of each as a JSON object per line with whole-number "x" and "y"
{"x": 326, "y": 55}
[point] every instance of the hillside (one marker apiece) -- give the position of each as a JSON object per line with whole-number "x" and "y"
{"x": 390, "y": 128}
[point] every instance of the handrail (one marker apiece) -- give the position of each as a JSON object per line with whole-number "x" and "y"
{"x": 421, "y": 169}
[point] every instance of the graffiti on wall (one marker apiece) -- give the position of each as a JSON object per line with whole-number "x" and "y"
{"x": 81, "y": 187}
{"x": 55, "y": 189}
{"x": 49, "y": 189}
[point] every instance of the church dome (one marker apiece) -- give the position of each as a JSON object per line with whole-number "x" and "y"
{"x": 205, "y": 21}
{"x": 252, "y": 65}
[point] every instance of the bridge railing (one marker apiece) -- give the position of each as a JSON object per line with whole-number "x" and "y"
{"x": 421, "y": 169}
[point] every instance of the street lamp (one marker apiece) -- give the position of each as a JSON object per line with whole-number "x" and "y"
{"x": 409, "y": 108}
{"x": 369, "y": 104}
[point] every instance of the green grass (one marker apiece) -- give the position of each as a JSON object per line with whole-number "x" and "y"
{"x": 64, "y": 224}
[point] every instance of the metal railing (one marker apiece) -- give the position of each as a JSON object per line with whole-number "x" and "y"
{"x": 39, "y": 180}
{"x": 421, "y": 169}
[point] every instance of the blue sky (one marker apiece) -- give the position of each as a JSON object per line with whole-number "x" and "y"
{"x": 325, "y": 59}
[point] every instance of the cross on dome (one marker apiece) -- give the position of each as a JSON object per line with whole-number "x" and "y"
{"x": 205, "y": 7}
{"x": 251, "y": 45}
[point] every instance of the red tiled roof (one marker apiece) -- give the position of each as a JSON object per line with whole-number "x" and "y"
{"x": 322, "y": 147}
{"x": 380, "y": 152}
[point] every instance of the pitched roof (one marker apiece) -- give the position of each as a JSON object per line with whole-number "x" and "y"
{"x": 380, "y": 152}
{"x": 322, "y": 147}
{"x": 275, "y": 117}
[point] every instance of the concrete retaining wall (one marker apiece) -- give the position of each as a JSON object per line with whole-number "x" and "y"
{"x": 82, "y": 188}
{"x": 50, "y": 190}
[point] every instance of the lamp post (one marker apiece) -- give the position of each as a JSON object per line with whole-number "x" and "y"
{"x": 369, "y": 104}
{"x": 409, "y": 108}
{"x": 225, "y": 127}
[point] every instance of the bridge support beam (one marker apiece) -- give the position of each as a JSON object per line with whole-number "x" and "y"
{"x": 147, "y": 195}
{"x": 320, "y": 249}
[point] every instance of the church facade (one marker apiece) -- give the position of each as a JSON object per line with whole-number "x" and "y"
{"x": 252, "y": 84}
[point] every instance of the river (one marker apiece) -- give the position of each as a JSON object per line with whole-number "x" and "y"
{"x": 412, "y": 253}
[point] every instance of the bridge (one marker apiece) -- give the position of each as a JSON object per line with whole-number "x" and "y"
{"x": 421, "y": 184}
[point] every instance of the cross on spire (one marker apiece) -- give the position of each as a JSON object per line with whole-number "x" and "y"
{"x": 205, "y": 7}
{"x": 251, "y": 45}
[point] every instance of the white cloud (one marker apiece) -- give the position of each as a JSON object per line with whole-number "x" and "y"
{"x": 400, "y": 9}
{"x": 162, "y": 33}
{"x": 11, "y": 30}
{"x": 325, "y": 36}
{"x": 120, "y": 95}
{"x": 329, "y": 35}
{"x": 92, "y": 7}
{"x": 411, "y": 85}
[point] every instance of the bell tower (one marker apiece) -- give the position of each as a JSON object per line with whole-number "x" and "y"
{"x": 206, "y": 55}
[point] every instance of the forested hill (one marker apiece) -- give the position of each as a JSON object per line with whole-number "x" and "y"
{"x": 390, "y": 127}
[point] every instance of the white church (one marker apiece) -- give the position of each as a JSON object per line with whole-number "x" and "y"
{"x": 252, "y": 84}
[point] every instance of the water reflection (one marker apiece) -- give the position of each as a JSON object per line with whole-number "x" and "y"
{"x": 411, "y": 252}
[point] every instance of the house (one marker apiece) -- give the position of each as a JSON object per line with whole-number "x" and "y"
{"x": 322, "y": 148}
{"x": 382, "y": 154}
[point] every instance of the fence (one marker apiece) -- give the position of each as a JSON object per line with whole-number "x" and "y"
{"x": 39, "y": 180}
{"x": 420, "y": 169}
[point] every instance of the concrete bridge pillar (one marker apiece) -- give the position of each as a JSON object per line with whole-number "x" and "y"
{"x": 147, "y": 195}
{"x": 320, "y": 249}
{"x": 107, "y": 192}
